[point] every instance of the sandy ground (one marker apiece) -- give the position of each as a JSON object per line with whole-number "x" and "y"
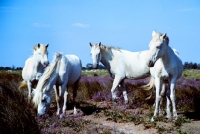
{"x": 100, "y": 125}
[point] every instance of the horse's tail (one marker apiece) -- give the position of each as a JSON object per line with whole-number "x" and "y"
{"x": 22, "y": 84}
{"x": 149, "y": 86}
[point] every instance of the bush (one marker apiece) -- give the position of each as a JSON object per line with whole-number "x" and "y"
{"x": 16, "y": 115}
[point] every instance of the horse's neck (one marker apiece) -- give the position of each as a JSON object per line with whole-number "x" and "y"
{"x": 105, "y": 58}
{"x": 166, "y": 58}
{"x": 49, "y": 80}
{"x": 40, "y": 67}
{"x": 52, "y": 82}
{"x": 37, "y": 64}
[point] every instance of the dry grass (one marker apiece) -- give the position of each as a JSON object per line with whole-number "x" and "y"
{"x": 16, "y": 114}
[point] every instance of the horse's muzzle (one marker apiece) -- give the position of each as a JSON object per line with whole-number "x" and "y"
{"x": 46, "y": 64}
{"x": 151, "y": 63}
{"x": 96, "y": 66}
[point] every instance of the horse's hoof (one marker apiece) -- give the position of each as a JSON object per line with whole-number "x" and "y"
{"x": 62, "y": 115}
{"x": 126, "y": 106}
{"x": 152, "y": 119}
{"x": 75, "y": 112}
{"x": 57, "y": 113}
{"x": 126, "y": 102}
{"x": 169, "y": 117}
{"x": 114, "y": 101}
{"x": 175, "y": 118}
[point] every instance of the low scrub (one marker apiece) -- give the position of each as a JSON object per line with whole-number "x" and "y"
{"x": 16, "y": 115}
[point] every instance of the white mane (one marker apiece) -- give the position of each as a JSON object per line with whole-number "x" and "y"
{"x": 50, "y": 73}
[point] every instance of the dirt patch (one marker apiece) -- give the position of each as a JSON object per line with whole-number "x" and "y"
{"x": 193, "y": 127}
{"x": 128, "y": 128}
{"x": 95, "y": 118}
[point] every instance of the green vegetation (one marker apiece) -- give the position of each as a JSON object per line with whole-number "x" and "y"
{"x": 191, "y": 74}
{"x": 95, "y": 72}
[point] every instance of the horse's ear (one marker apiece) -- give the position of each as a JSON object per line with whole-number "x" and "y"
{"x": 166, "y": 38}
{"x": 153, "y": 33}
{"x": 47, "y": 45}
{"x": 99, "y": 43}
{"x": 164, "y": 35}
{"x": 90, "y": 44}
{"x": 38, "y": 45}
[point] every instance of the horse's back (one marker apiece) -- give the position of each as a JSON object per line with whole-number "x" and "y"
{"x": 27, "y": 71}
{"x": 178, "y": 62}
{"x": 74, "y": 67}
{"x": 30, "y": 71}
{"x": 135, "y": 65}
{"x": 74, "y": 60}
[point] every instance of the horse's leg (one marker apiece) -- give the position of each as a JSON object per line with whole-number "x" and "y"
{"x": 162, "y": 93}
{"x": 122, "y": 87}
{"x": 114, "y": 86}
{"x": 63, "y": 95}
{"x": 158, "y": 85}
{"x": 168, "y": 111}
{"x": 57, "y": 94}
{"x": 172, "y": 97}
{"x": 29, "y": 84}
{"x": 75, "y": 88}
{"x": 65, "y": 102}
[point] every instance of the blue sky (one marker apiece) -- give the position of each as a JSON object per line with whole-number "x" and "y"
{"x": 69, "y": 25}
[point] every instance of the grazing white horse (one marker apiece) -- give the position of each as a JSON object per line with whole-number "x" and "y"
{"x": 34, "y": 66}
{"x": 63, "y": 71}
{"x": 166, "y": 67}
{"x": 121, "y": 64}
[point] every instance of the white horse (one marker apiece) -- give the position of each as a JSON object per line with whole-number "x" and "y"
{"x": 34, "y": 66}
{"x": 63, "y": 71}
{"x": 166, "y": 67}
{"x": 121, "y": 64}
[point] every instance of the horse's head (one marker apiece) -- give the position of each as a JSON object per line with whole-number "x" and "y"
{"x": 42, "y": 54}
{"x": 96, "y": 54}
{"x": 41, "y": 99}
{"x": 158, "y": 46}
{"x": 44, "y": 103}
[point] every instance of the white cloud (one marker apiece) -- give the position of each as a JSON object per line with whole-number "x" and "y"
{"x": 188, "y": 9}
{"x": 40, "y": 25}
{"x": 81, "y": 25}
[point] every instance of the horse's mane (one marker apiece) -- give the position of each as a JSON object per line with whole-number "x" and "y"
{"x": 45, "y": 78}
{"x": 35, "y": 47}
{"x": 108, "y": 48}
